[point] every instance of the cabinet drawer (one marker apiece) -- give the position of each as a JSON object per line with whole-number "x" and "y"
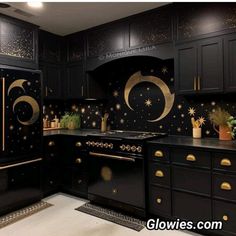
{"x": 191, "y": 207}
{"x": 157, "y": 153}
{"x": 159, "y": 174}
{"x": 194, "y": 180}
{"x": 224, "y": 186}
{"x": 191, "y": 158}
{"x": 160, "y": 201}
{"x": 225, "y": 212}
{"x": 224, "y": 161}
{"x": 79, "y": 181}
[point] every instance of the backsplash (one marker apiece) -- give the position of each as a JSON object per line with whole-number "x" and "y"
{"x": 141, "y": 97}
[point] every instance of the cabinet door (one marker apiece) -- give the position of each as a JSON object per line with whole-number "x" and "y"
{"x": 210, "y": 65}
{"x": 186, "y": 68}
{"x": 75, "y": 81}
{"x": 52, "y": 80}
{"x": 230, "y": 62}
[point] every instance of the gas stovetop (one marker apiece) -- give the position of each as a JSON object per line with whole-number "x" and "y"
{"x": 119, "y": 134}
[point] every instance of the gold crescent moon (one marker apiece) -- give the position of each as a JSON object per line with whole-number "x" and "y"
{"x": 139, "y": 78}
{"x": 16, "y": 83}
{"x": 35, "y": 107}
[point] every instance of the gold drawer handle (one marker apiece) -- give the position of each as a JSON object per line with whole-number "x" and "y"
{"x": 158, "y": 153}
{"x": 225, "y": 162}
{"x": 51, "y": 143}
{"x": 226, "y": 186}
{"x": 78, "y": 144}
{"x": 191, "y": 157}
{"x": 159, "y": 200}
{"x": 159, "y": 174}
{"x": 225, "y": 218}
{"x": 78, "y": 160}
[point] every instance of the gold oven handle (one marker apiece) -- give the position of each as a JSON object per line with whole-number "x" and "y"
{"x": 3, "y": 113}
{"x": 121, "y": 158}
{"x": 20, "y": 163}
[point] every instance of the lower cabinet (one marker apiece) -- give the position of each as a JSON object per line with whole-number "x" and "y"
{"x": 194, "y": 185}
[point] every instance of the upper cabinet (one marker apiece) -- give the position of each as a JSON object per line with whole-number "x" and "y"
{"x": 151, "y": 28}
{"x": 49, "y": 47}
{"x": 75, "y": 47}
{"x": 199, "y": 19}
{"x": 18, "y": 43}
{"x": 109, "y": 38}
{"x": 230, "y": 62}
{"x": 199, "y": 66}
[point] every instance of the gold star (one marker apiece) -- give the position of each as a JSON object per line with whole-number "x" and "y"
{"x": 82, "y": 110}
{"x": 179, "y": 106}
{"x": 202, "y": 120}
{"x": 148, "y": 102}
{"x": 93, "y": 123}
{"x": 191, "y": 111}
{"x": 115, "y": 93}
{"x": 164, "y": 70}
{"x": 118, "y": 106}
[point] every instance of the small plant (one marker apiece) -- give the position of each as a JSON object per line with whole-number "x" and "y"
{"x": 219, "y": 117}
{"x": 71, "y": 121}
{"x": 232, "y": 124}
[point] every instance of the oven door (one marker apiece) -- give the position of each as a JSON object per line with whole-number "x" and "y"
{"x": 117, "y": 177}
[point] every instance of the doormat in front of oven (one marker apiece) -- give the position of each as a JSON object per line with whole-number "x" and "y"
{"x": 112, "y": 216}
{"x": 15, "y": 216}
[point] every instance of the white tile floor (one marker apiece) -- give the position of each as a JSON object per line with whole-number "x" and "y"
{"x": 62, "y": 220}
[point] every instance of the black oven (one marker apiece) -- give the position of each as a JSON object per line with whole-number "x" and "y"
{"x": 117, "y": 180}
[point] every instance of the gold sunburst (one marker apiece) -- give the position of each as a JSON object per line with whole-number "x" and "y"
{"x": 148, "y": 102}
{"x": 115, "y": 93}
{"x": 202, "y": 120}
{"x": 164, "y": 70}
{"x": 191, "y": 111}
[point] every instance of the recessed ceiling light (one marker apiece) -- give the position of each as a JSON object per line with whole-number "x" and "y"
{"x": 35, "y": 4}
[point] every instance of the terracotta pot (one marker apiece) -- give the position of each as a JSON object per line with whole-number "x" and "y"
{"x": 224, "y": 132}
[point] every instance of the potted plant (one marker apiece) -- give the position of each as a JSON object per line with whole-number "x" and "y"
{"x": 232, "y": 125}
{"x": 219, "y": 118}
{"x": 71, "y": 121}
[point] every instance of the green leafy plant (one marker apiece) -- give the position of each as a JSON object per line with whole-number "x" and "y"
{"x": 232, "y": 124}
{"x": 219, "y": 117}
{"x": 71, "y": 121}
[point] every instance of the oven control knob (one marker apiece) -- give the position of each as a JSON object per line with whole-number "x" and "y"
{"x": 93, "y": 143}
{"x": 122, "y": 147}
{"x": 106, "y": 145}
{"x": 88, "y": 143}
{"x": 110, "y": 146}
{"x": 133, "y": 149}
{"x": 139, "y": 149}
{"x": 127, "y": 148}
{"x": 101, "y": 145}
{"x": 96, "y": 144}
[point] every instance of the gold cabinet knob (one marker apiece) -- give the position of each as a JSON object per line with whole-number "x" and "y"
{"x": 226, "y": 186}
{"x": 51, "y": 143}
{"x": 225, "y": 218}
{"x": 158, "y": 153}
{"x": 78, "y": 160}
{"x": 159, "y": 174}
{"x": 159, "y": 200}
{"x": 225, "y": 162}
{"x": 114, "y": 191}
{"x": 191, "y": 157}
{"x": 78, "y": 144}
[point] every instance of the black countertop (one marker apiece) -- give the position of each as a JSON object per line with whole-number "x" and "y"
{"x": 205, "y": 143}
{"x": 79, "y": 132}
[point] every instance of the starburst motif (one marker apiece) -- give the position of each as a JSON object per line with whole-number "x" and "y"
{"x": 118, "y": 106}
{"x": 202, "y": 120}
{"x": 115, "y": 93}
{"x": 148, "y": 102}
{"x": 191, "y": 111}
{"x": 179, "y": 106}
{"x": 164, "y": 70}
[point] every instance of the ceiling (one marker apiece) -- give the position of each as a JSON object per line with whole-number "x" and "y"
{"x": 64, "y": 18}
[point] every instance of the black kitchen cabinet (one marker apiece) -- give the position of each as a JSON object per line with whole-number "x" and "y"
{"x": 19, "y": 43}
{"x": 107, "y": 39}
{"x": 51, "y": 175}
{"x": 199, "y": 66}
{"x": 49, "y": 47}
{"x": 151, "y": 28}
{"x": 74, "y": 167}
{"x": 230, "y": 62}
{"x": 52, "y": 80}
{"x": 75, "y": 84}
